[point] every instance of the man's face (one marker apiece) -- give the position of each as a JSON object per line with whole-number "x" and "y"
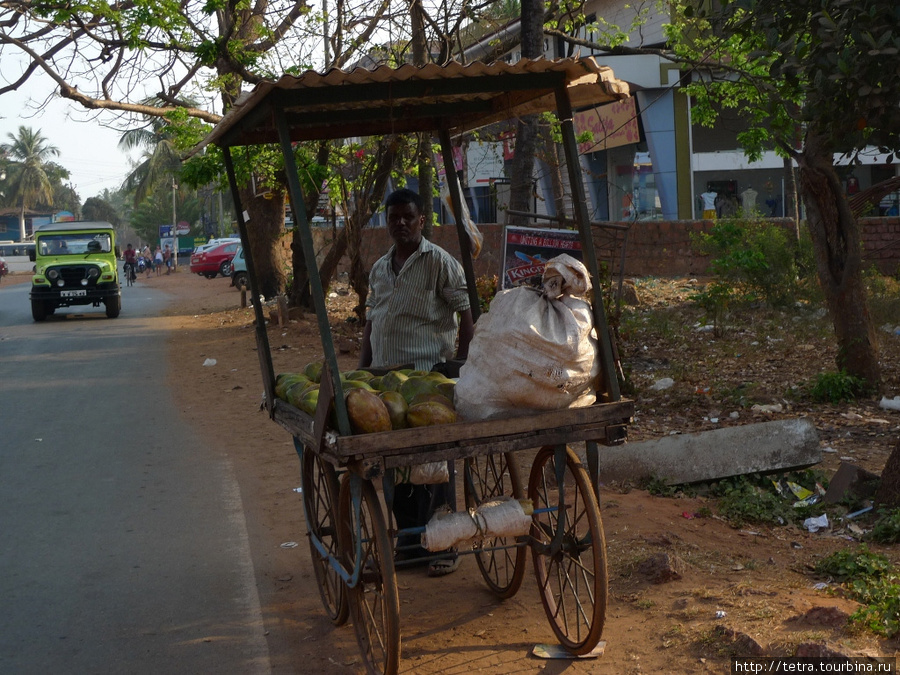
{"x": 405, "y": 223}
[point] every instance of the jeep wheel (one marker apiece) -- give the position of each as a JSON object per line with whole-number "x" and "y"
{"x": 225, "y": 268}
{"x": 38, "y": 310}
{"x": 113, "y": 306}
{"x": 239, "y": 280}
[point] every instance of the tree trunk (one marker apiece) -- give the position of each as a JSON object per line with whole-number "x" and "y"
{"x": 425, "y": 158}
{"x": 426, "y": 182}
{"x": 22, "y": 221}
{"x": 522, "y": 170}
{"x": 791, "y": 206}
{"x": 835, "y": 237}
{"x": 888, "y": 494}
{"x": 265, "y": 229}
{"x": 300, "y": 295}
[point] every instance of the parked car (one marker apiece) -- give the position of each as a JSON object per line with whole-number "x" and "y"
{"x": 4, "y": 268}
{"x": 213, "y": 243}
{"x": 239, "y": 269}
{"x": 215, "y": 260}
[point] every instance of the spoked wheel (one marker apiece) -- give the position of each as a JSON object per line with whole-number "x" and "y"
{"x": 488, "y": 477}
{"x": 374, "y": 601}
{"x": 320, "y": 493}
{"x": 569, "y": 549}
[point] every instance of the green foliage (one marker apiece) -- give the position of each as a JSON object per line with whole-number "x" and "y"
{"x": 871, "y": 580}
{"x": 837, "y": 387}
{"x": 486, "y": 286}
{"x": 886, "y": 529}
{"x": 715, "y": 299}
{"x": 784, "y": 64}
{"x": 881, "y": 605}
{"x": 848, "y": 564}
{"x": 752, "y": 259}
{"x": 742, "y": 502}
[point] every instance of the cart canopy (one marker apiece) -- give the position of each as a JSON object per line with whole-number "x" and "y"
{"x": 453, "y": 98}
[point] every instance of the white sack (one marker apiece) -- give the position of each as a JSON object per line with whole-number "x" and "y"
{"x": 533, "y": 350}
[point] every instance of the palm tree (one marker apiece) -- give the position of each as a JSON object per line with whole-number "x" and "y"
{"x": 30, "y": 182}
{"x": 160, "y": 162}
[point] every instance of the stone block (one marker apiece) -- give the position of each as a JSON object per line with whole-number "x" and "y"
{"x": 780, "y": 445}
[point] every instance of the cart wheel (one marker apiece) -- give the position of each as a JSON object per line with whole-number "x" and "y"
{"x": 488, "y": 477}
{"x": 374, "y": 601}
{"x": 320, "y": 492}
{"x": 569, "y": 548}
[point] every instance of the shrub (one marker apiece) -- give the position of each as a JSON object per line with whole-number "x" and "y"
{"x": 759, "y": 259}
{"x": 740, "y": 502}
{"x": 871, "y": 580}
{"x": 886, "y": 529}
{"x": 831, "y": 387}
{"x": 487, "y": 288}
{"x": 847, "y": 564}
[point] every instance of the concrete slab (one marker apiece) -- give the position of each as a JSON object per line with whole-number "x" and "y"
{"x": 709, "y": 455}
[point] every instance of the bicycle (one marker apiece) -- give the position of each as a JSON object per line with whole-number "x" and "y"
{"x": 130, "y": 276}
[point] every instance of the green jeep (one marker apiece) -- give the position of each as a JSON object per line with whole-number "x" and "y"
{"x": 75, "y": 264}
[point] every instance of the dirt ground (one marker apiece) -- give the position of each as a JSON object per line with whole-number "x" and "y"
{"x": 742, "y": 591}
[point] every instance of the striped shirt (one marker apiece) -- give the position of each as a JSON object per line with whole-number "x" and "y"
{"x": 413, "y": 313}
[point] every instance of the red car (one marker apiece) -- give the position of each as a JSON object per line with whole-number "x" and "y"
{"x": 216, "y": 260}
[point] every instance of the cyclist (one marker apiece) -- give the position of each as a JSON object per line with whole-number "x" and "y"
{"x": 130, "y": 257}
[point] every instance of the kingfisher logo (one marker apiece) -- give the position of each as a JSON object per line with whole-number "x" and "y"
{"x": 517, "y": 274}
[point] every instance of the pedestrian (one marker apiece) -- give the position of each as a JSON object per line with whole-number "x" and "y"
{"x": 147, "y": 255}
{"x": 158, "y": 261}
{"x": 167, "y": 259}
{"x": 416, "y": 291}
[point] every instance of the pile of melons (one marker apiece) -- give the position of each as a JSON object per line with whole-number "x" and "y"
{"x": 397, "y": 400}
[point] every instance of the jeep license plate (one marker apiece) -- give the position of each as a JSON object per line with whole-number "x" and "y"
{"x": 73, "y": 294}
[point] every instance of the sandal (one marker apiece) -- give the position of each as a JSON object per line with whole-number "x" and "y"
{"x": 443, "y": 567}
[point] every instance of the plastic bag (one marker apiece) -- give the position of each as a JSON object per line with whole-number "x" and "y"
{"x": 476, "y": 239}
{"x": 534, "y": 349}
{"x": 428, "y": 473}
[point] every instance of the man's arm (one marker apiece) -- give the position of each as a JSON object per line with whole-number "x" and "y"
{"x": 365, "y": 347}
{"x": 466, "y": 331}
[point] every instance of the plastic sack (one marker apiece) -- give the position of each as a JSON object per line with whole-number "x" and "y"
{"x": 423, "y": 474}
{"x": 476, "y": 239}
{"x": 534, "y": 349}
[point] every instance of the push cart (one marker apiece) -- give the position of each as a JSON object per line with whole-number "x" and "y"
{"x": 350, "y": 541}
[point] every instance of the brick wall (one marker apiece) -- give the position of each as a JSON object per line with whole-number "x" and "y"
{"x": 881, "y": 243}
{"x": 653, "y": 248}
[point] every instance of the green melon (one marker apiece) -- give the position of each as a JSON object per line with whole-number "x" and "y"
{"x": 313, "y": 370}
{"x": 415, "y": 386}
{"x": 392, "y": 380}
{"x": 429, "y": 414}
{"x": 396, "y": 407}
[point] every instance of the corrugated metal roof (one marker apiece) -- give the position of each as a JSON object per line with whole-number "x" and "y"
{"x": 384, "y": 100}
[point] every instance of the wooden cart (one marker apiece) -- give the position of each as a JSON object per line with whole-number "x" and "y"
{"x": 350, "y": 540}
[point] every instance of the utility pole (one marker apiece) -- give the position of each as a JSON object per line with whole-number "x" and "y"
{"x": 174, "y": 229}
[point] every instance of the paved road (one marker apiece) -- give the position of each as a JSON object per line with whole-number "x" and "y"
{"x": 123, "y": 545}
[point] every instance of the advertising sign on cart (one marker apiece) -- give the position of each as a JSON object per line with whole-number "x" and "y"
{"x": 526, "y": 250}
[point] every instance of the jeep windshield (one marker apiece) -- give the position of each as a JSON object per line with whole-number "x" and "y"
{"x": 74, "y": 243}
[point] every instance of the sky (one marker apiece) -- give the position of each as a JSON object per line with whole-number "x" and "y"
{"x": 87, "y": 149}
